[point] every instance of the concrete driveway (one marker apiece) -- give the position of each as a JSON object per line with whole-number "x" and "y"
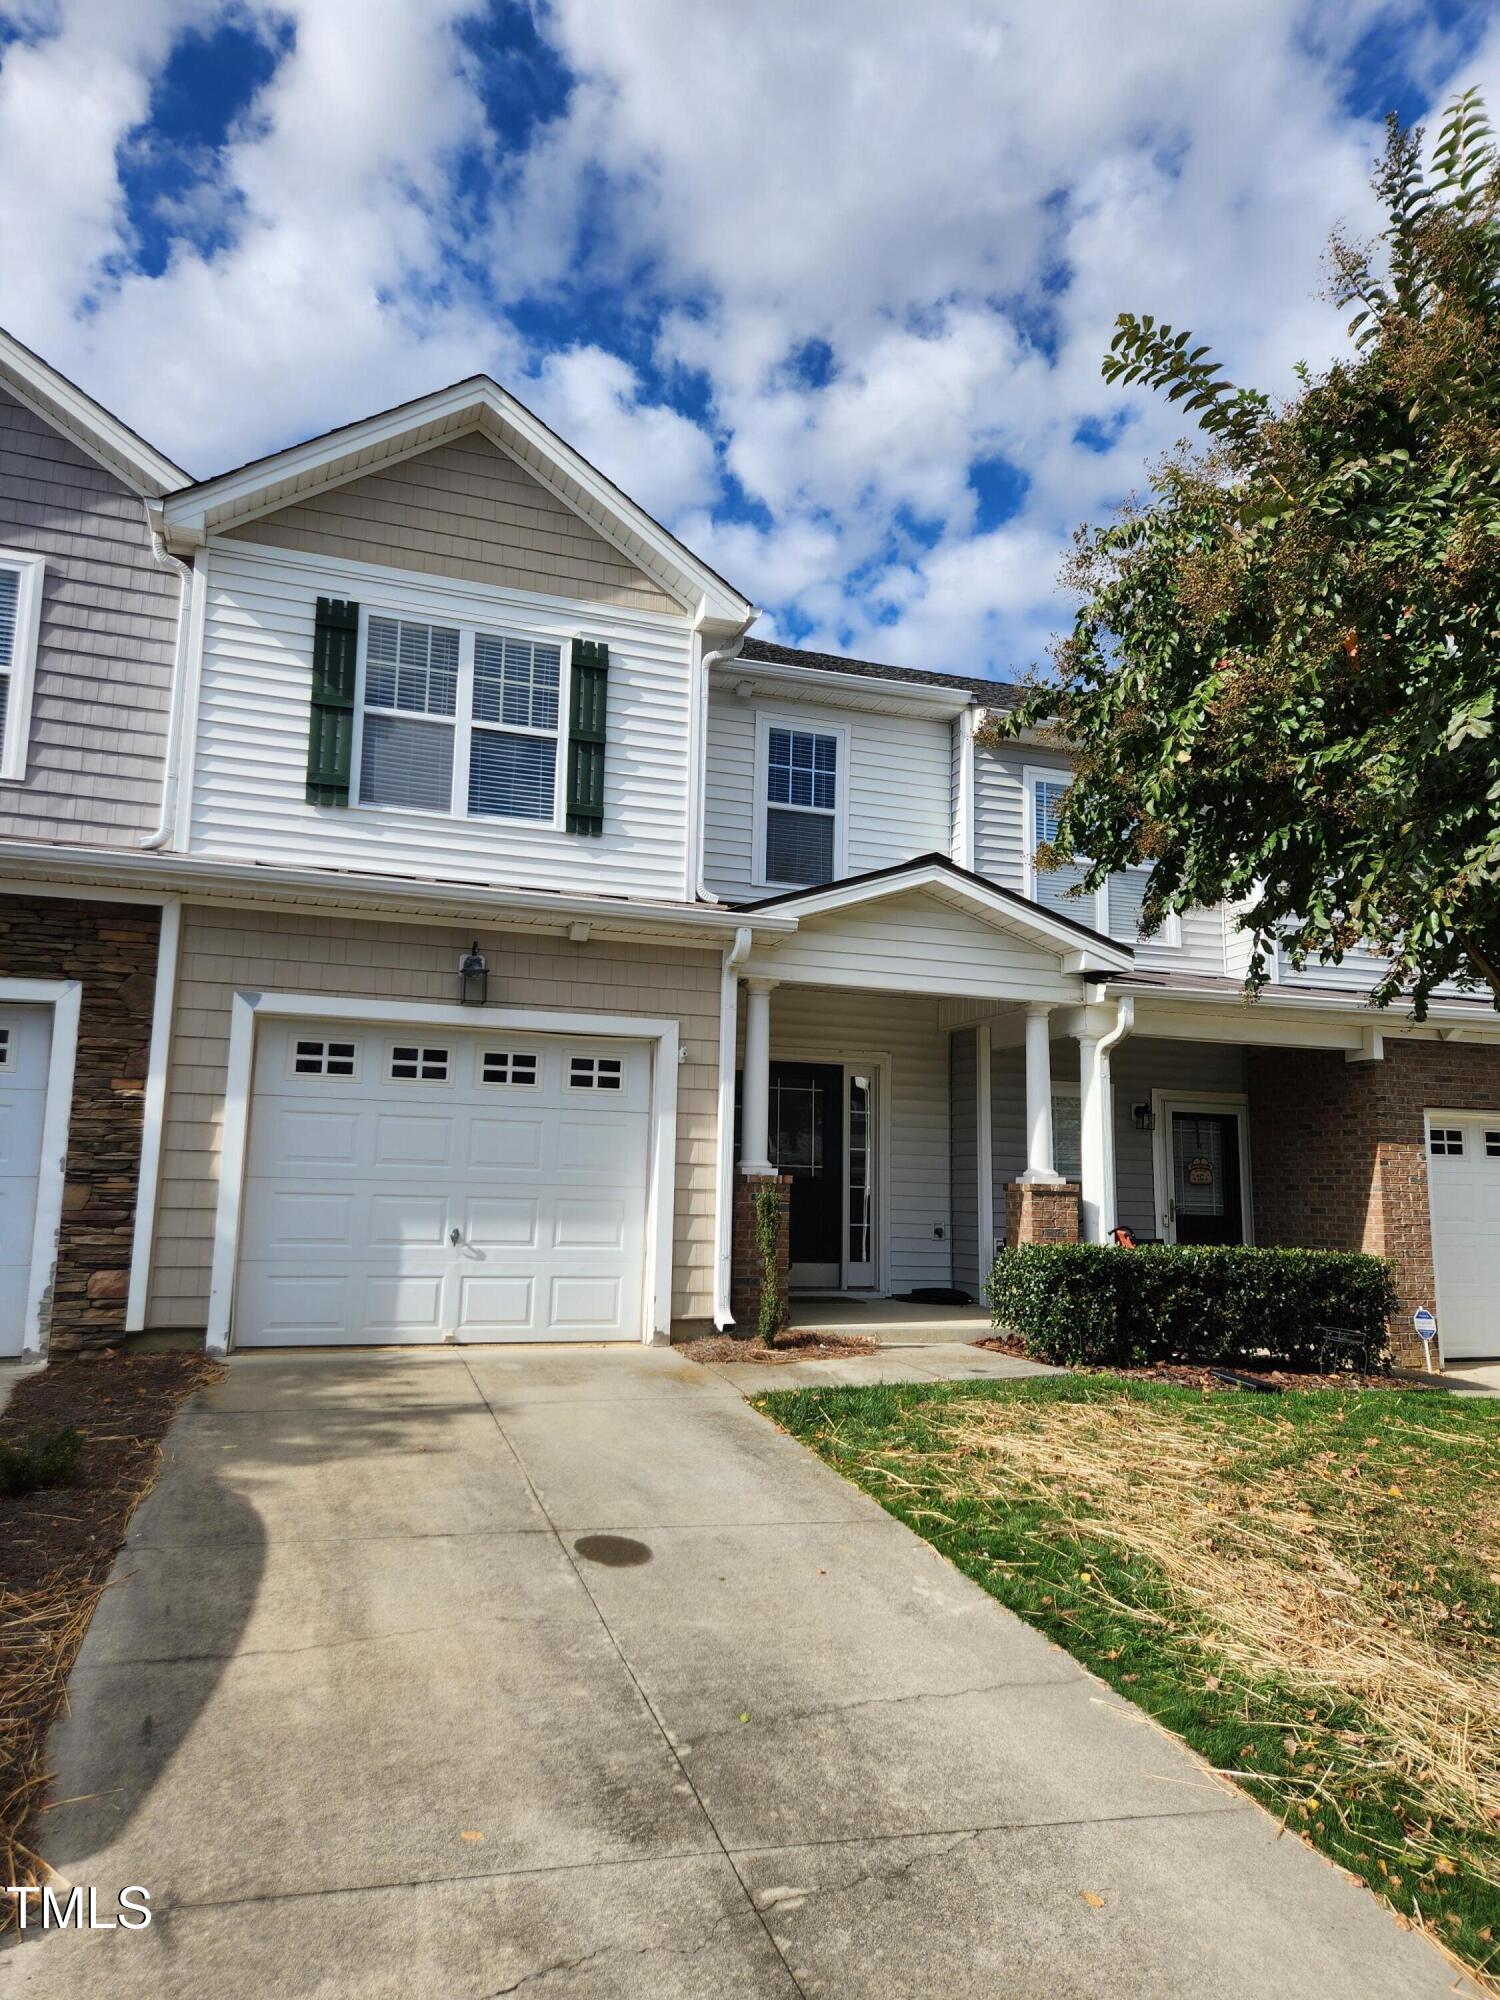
{"x": 564, "y": 1673}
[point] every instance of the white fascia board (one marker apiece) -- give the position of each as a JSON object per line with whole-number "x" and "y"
{"x": 215, "y": 503}
{"x": 369, "y": 895}
{"x": 916, "y": 695}
{"x": 1288, "y": 999}
{"x": 974, "y": 897}
{"x": 59, "y": 402}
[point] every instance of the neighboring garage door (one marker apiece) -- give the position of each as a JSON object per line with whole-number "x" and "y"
{"x": 425, "y": 1186}
{"x": 25, "y": 1044}
{"x": 1463, "y": 1191}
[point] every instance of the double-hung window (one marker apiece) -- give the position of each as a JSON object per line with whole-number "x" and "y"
{"x": 801, "y": 782}
{"x": 1114, "y": 909}
{"x": 20, "y": 620}
{"x": 458, "y": 720}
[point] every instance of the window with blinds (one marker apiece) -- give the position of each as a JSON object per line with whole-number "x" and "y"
{"x": 20, "y": 582}
{"x": 458, "y": 721}
{"x": 802, "y": 779}
{"x": 1115, "y": 909}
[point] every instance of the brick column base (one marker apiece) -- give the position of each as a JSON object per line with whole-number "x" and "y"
{"x": 746, "y": 1264}
{"x": 1041, "y": 1212}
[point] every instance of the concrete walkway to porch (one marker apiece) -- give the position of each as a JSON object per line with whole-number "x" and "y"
{"x": 893, "y": 1322}
{"x": 564, "y": 1671}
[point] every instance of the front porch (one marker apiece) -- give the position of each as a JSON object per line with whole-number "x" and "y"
{"x": 892, "y": 1322}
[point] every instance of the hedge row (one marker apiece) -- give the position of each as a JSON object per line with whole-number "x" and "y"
{"x": 1089, "y": 1303}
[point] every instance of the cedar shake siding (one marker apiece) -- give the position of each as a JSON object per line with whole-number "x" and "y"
{"x": 465, "y": 510}
{"x": 224, "y": 950}
{"x": 108, "y": 632}
{"x": 111, "y": 949}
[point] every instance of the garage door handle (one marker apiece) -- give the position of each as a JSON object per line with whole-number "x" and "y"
{"x": 455, "y": 1237}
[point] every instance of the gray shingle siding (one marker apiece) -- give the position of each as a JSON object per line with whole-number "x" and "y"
{"x": 108, "y": 630}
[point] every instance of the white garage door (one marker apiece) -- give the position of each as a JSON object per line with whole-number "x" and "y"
{"x": 424, "y": 1186}
{"x": 1463, "y": 1188}
{"x": 25, "y": 1044}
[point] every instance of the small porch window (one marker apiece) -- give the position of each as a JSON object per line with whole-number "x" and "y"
{"x": 1115, "y": 909}
{"x": 800, "y": 785}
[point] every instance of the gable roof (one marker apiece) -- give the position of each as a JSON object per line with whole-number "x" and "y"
{"x": 993, "y": 693}
{"x": 210, "y": 506}
{"x": 960, "y": 886}
{"x": 61, "y": 403}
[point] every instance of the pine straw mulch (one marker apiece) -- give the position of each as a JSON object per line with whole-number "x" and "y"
{"x": 56, "y": 1548}
{"x": 1192, "y": 1376}
{"x": 810, "y": 1346}
{"x": 1305, "y": 1587}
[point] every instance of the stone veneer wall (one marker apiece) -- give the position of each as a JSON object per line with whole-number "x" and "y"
{"x": 111, "y": 949}
{"x": 1338, "y": 1153}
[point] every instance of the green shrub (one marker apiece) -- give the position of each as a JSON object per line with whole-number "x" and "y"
{"x": 1077, "y": 1303}
{"x": 41, "y": 1458}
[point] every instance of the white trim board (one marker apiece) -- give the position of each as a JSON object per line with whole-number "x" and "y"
{"x": 153, "y": 1111}
{"x": 248, "y": 1009}
{"x": 65, "y": 998}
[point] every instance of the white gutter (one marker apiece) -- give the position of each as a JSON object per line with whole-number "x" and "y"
{"x": 698, "y": 887}
{"x": 1290, "y": 1000}
{"x": 361, "y": 895}
{"x": 918, "y": 694}
{"x": 729, "y": 985}
{"x": 162, "y": 832}
{"x": 1124, "y": 1023}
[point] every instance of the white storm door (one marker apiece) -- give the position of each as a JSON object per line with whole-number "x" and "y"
{"x": 1463, "y": 1192}
{"x": 25, "y": 1047}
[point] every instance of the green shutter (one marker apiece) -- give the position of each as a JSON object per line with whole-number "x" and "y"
{"x": 330, "y": 728}
{"x": 587, "y": 714}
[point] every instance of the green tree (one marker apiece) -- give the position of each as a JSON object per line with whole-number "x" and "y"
{"x": 1279, "y": 689}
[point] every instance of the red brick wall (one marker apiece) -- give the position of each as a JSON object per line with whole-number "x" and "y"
{"x": 746, "y": 1263}
{"x": 1338, "y": 1152}
{"x": 1041, "y": 1212}
{"x": 111, "y": 949}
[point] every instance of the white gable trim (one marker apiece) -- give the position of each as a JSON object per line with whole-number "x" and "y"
{"x": 1037, "y": 926}
{"x": 60, "y": 403}
{"x": 288, "y": 476}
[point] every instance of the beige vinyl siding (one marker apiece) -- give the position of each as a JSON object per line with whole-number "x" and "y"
{"x": 898, "y": 786}
{"x": 818, "y": 1025}
{"x": 464, "y": 509}
{"x": 224, "y": 950}
{"x": 916, "y": 943}
{"x": 108, "y": 632}
{"x": 1002, "y": 850}
{"x": 249, "y": 777}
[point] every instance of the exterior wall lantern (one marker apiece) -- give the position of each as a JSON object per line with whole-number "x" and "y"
{"x": 1143, "y": 1117}
{"x": 473, "y": 977}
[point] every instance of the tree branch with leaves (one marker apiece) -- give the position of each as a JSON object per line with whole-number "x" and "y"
{"x": 1279, "y": 688}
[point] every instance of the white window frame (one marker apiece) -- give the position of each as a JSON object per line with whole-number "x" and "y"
{"x": 29, "y": 569}
{"x": 1092, "y": 910}
{"x": 765, "y": 722}
{"x": 323, "y": 1075}
{"x": 423, "y": 1047}
{"x": 461, "y": 722}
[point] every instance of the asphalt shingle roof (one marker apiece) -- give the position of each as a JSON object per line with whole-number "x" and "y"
{"x": 996, "y": 694}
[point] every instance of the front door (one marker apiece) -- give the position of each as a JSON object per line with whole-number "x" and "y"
{"x": 1206, "y": 1203}
{"x": 807, "y": 1142}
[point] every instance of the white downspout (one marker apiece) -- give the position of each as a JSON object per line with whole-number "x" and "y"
{"x": 1124, "y": 1024}
{"x": 734, "y": 958}
{"x": 700, "y": 889}
{"x": 163, "y": 830}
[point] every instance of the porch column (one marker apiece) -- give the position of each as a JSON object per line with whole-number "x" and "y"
{"x": 1094, "y": 1139}
{"x": 755, "y": 1094}
{"x": 1039, "y": 1165}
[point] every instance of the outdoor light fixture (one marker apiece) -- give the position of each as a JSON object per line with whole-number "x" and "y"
{"x": 1143, "y": 1117}
{"x": 473, "y": 977}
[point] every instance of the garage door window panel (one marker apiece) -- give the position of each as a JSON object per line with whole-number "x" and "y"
{"x": 313, "y": 1057}
{"x": 1448, "y": 1141}
{"x": 6, "y": 1049}
{"x": 595, "y": 1073}
{"x": 415, "y": 1063}
{"x": 517, "y": 1068}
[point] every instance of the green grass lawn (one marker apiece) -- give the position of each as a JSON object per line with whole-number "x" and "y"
{"x": 1306, "y": 1588}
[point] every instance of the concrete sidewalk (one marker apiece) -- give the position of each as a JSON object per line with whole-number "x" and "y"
{"x": 564, "y": 1672}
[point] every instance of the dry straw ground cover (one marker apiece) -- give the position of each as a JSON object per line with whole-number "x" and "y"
{"x": 1305, "y": 1587}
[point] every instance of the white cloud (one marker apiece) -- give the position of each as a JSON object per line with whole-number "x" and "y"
{"x": 956, "y": 199}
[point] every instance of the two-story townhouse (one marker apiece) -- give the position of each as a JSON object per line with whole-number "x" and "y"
{"x": 89, "y": 623}
{"x": 523, "y": 916}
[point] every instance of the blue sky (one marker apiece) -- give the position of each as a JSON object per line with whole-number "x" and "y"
{"x": 825, "y": 286}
